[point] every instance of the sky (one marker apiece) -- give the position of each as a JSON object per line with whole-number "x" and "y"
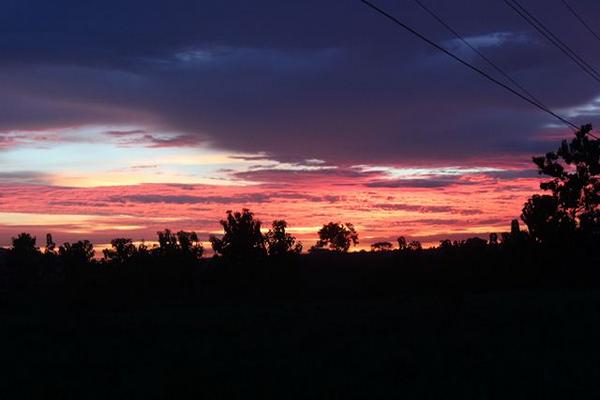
{"x": 121, "y": 118}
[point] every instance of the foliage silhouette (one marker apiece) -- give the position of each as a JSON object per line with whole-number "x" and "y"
{"x": 414, "y": 245}
{"x": 81, "y": 252}
{"x": 279, "y": 242}
{"x": 242, "y": 240}
{"x": 50, "y": 249}
{"x": 26, "y": 255}
{"x": 24, "y": 245}
{"x": 122, "y": 251}
{"x": 547, "y": 223}
{"x": 189, "y": 245}
{"x": 337, "y": 237}
{"x": 573, "y": 206}
{"x": 180, "y": 243}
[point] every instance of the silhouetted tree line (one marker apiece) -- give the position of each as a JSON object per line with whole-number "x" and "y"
{"x": 563, "y": 231}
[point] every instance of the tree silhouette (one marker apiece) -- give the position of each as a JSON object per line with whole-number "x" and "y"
{"x": 475, "y": 243}
{"x": 78, "y": 253}
{"x": 279, "y": 242}
{"x": 122, "y": 251}
{"x": 24, "y": 245}
{"x": 167, "y": 242}
{"x": 381, "y": 246}
{"x": 25, "y": 256}
{"x": 401, "y": 243}
{"x": 446, "y": 244}
{"x": 546, "y": 221}
{"x": 574, "y": 187}
{"x": 182, "y": 244}
{"x": 50, "y": 246}
{"x": 337, "y": 237}
{"x": 242, "y": 239}
{"x": 189, "y": 245}
{"x": 414, "y": 245}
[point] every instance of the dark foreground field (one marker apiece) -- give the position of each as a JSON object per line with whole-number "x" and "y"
{"x": 542, "y": 343}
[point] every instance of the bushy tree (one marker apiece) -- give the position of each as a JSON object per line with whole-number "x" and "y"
{"x": 167, "y": 242}
{"x": 279, "y": 242}
{"x": 337, "y": 237}
{"x": 182, "y": 243}
{"x": 475, "y": 243}
{"x": 242, "y": 239}
{"x": 25, "y": 256}
{"x": 189, "y": 245}
{"x": 122, "y": 251}
{"x": 24, "y": 245}
{"x": 414, "y": 245}
{"x": 574, "y": 198}
{"x": 546, "y": 221}
{"x": 446, "y": 244}
{"x": 79, "y": 253}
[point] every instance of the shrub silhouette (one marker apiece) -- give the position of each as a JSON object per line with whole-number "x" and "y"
{"x": 242, "y": 239}
{"x": 279, "y": 242}
{"x": 337, "y": 237}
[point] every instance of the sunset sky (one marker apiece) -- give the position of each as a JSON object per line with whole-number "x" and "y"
{"x": 121, "y": 118}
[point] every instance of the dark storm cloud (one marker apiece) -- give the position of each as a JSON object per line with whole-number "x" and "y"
{"x": 311, "y": 79}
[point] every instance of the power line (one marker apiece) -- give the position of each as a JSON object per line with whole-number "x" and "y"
{"x": 468, "y": 65}
{"x": 576, "y": 14}
{"x": 555, "y": 39}
{"x": 542, "y": 29}
{"x": 479, "y": 53}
